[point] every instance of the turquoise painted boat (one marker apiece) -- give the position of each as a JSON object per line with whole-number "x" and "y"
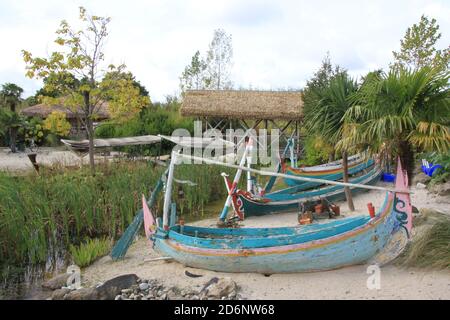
{"x": 283, "y": 201}
{"x": 314, "y": 247}
{"x": 297, "y": 186}
{"x": 332, "y": 171}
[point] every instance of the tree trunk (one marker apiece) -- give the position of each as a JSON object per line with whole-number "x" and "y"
{"x": 331, "y": 157}
{"x": 12, "y": 139}
{"x": 406, "y": 154}
{"x": 90, "y": 131}
{"x": 348, "y": 193}
{"x": 13, "y": 131}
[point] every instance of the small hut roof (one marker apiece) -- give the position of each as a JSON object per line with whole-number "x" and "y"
{"x": 243, "y": 104}
{"x": 43, "y": 111}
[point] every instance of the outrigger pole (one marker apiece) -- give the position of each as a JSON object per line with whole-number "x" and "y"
{"x": 271, "y": 181}
{"x": 281, "y": 175}
{"x": 240, "y": 168}
{"x": 233, "y": 186}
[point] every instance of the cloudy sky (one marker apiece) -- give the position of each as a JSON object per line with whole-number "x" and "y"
{"x": 277, "y": 44}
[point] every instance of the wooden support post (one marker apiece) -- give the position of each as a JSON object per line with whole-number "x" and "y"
{"x": 168, "y": 191}
{"x": 348, "y": 193}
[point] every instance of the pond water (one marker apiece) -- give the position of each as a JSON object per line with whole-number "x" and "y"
{"x": 25, "y": 282}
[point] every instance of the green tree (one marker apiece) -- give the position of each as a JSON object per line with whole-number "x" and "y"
{"x": 312, "y": 93}
{"x": 128, "y": 76}
{"x": 418, "y": 47}
{"x": 219, "y": 61}
{"x": 76, "y": 73}
{"x": 398, "y": 112}
{"x": 325, "y": 118}
{"x": 10, "y": 97}
{"x": 193, "y": 76}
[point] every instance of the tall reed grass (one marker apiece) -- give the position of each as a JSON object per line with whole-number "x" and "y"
{"x": 60, "y": 207}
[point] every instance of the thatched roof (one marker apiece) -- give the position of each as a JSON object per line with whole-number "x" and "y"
{"x": 43, "y": 111}
{"x": 243, "y": 104}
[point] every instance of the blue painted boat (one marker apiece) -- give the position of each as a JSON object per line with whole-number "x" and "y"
{"x": 329, "y": 172}
{"x": 283, "y": 201}
{"x": 314, "y": 247}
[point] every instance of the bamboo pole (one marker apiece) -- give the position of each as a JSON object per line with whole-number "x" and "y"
{"x": 168, "y": 191}
{"x": 237, "y": 177}
{"x": 281, "y": 175}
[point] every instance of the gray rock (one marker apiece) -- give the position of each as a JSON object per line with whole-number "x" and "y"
{"x": 143, "y": 286}
{"x": 118, "y": 297}
{"x": 442, "y": 189}
{"x": 113, "y": 287}
{"x": 81, "y": 294}
{"x": 220, "y": 288}
{"x": 421, "y": 178}
{"x": 56, "y": 282}
{"x": 59, "y": 294}
{"x": 420, "y": 185}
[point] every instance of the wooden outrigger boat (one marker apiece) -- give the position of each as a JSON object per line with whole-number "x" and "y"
{"x": 250, "y": 203}
{"x": 314, "y": 247}
{"x": 283, "y": 200}
{"x": 327, "y": 171}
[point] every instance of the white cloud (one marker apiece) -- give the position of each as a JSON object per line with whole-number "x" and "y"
{"x": 277, "y": 44}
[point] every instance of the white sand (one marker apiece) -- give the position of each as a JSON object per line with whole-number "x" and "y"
{"x": 345, "y": 283}
{"x": 16, "y": 162}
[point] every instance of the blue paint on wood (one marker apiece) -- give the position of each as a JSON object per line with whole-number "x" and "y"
{"x": 327, "y": 176}
{"x": 291, "y": 202}
{"x": 352, "y": 249}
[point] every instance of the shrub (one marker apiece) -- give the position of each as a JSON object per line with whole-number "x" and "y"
{"x": 151, "y": 120}
{"x": 440, "y": 175}
{"x": 56, "y": 123}
{"x": 316, "y": 151}
{"x": 89, "y": 251}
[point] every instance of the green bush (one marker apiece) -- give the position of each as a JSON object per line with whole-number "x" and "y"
{"x": 316, "y": 152}
{"x": 440, "y": 175}
{"x": 151, "y": 120}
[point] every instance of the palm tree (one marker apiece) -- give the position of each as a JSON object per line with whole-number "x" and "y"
{"x": 10, "y": 97}
{"x": 400, "y": 111}
{"x": 325, "y": 118}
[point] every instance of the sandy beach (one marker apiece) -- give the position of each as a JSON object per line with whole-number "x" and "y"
{"x": 345, "y": 283}
{"x": 19, "y": 162}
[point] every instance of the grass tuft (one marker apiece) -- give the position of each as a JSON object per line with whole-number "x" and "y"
{"x": 89, "y": 251}
{"x": 431, "y": 247}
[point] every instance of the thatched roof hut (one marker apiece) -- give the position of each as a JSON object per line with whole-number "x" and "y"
{"x": 43, "y": 111}
{"x": 243, "y": 104}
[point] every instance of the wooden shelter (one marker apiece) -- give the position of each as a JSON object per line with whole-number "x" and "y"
{"x": 246, "y": 109}
{"x": 44, "y": 110}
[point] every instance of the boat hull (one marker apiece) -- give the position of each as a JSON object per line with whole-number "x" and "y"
{"x": 326, "y": 173}
{"x": 352, "y": 247}
{"x": 278, "y": 203}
